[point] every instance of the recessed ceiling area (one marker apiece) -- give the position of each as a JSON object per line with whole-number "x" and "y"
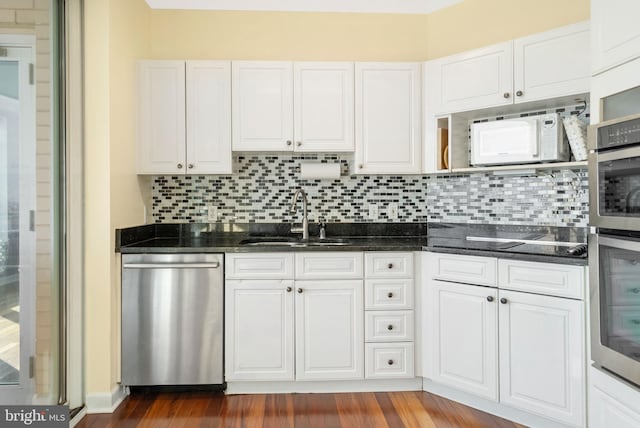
{"x": 353, "y": 6}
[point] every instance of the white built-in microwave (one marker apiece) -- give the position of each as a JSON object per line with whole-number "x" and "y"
{"x": 522, "y": 140}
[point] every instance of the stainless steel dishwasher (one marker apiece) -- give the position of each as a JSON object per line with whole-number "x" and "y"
{"x": 172, "y": 319}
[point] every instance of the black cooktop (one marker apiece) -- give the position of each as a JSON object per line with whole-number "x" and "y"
{"x": 536, "y": 240}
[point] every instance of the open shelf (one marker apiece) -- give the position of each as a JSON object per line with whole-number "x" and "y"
{"x": 536, "y": 166}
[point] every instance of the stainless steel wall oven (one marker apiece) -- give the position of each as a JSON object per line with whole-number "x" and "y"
{"x": 614, "y": 251}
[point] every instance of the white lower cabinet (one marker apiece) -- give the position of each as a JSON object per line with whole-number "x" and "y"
{"x": 389, "y": 360}
{"x": 260, "y": 338}
{"x": 329, "y": 330}
{"x": 524, "y": 350}
{"x": 464, "y": 337}
{"x": 284, "y": 322}
{"x": 542, "y": 355}
{"x": 612, "y": 402}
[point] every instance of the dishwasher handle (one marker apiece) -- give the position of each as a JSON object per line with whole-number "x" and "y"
{"x": 212, "y": 265}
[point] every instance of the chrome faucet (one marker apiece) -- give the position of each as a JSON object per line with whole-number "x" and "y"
{"x": 305, "y": 220}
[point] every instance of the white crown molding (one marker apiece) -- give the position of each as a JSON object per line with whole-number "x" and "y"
{"x": 355, "y": 6}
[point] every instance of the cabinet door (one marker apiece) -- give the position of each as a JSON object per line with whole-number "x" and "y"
{"x": 464, "y": 337}
{"x": 552, "y": 64}
{"x": 259, "y": 330}
{"x": 612, "y": 402}
{"x": 615, "y": 32}
{"x": 473, "y": 80}
{"x": 323, "y": 106}
{"x": 329, "y": 330}
{"x": 542, "y": 356}
{"x": 262, "y": 105}
{"x": 208, "y": 117}
{"x": 388, "y": 123}
{"x": 161, "y": 142}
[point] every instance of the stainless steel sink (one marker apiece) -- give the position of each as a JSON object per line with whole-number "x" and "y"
{"x": 293, "y": 242}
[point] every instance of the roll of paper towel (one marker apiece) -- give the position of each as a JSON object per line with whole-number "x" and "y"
{"x": 324, "y": 171}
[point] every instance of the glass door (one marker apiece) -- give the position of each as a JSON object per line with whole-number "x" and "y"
{"x": 17, "y": 224}
{"x": 619, "y": 292}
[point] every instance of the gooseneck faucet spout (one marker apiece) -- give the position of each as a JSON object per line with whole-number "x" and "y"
{"x": 305, "y": 220}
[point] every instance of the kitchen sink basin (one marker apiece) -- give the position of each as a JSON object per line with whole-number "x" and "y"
{"x": 293, "y": 242}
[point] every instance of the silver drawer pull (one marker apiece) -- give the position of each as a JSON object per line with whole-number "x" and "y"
{"x": 390, "y": 327}
{"x": 390, "y": 362}
{"x": 212, "y": 265}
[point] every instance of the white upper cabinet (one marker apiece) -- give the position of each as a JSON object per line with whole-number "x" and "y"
{"x": 472, "y": 80}
{"x": 284, "y": 106}
{"x": 552, "y": 64}
{"x": 388, "y": 123}
{"x": 262, "y": 105}
{"x": 184, "y": 117}
{"x": 546, "y": 65}
{"x": 323, "y": 106}
{"x": 615, "y": 33}
{"x": 208, "y": 117}
{"x": 161, "y": 132}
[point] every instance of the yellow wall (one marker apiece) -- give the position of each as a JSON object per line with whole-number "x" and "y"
{"x": 357, "y": 37}
{"x": 117, "y": 34}
{"x": 476, "y": 23}
{"x": 287, "y": 35}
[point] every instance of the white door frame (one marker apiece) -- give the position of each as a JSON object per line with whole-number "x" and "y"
{"x": 23, "y": 392}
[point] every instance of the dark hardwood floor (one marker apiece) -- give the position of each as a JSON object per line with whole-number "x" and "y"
{"x": 352, "y": 410}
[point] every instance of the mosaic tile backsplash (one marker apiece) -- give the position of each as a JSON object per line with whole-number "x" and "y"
{"x": 262, "y": 186}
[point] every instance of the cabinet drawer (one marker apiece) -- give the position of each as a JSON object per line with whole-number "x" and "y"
{"x": 259, "y": 266}
{"x": 543, "y": 278}
{"x": 389, "y": 265}
{"x": 388, "y": 326}
{"x": 345, "y": 265}
{"x": 382, "y": 294}
{"x": 465, "y": 269}
{"x": 388, "y": 360}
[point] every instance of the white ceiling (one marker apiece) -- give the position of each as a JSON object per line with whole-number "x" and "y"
{"x": 360, "y": 6}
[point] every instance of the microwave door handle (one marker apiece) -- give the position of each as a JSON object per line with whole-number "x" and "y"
{"x": 535, "y": 152}
{"x": 622, "y": 244}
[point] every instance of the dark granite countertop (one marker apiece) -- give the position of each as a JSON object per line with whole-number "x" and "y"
{"x": 436, "y": 237}
{"x": 226, "y": 238}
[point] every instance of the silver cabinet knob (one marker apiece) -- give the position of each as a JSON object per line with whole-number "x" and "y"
{"x": 489, "y": 298}
{"x": 519, "y": 93}
{"x": 190, "y": 166}
{"x": 506, "y": 95}
{"x": 289, "y": 289}
{"x": 299, "y": 143}
{"x": 360, "y": 166}
{"x": 300, "y": 290}
{"x": 390, "y": 295}
{"x": 390, "y": 265}
{"x": 503, "y": 301}
{"x": 390, "y": 362}
{"x": 179, "y": 166}
{"x": 390, "y": 327}
{"x": 289, "y": 142}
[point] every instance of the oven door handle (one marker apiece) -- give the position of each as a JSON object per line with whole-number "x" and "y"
{"x": 623, "y": 244}
{"x": 630, "y": 152}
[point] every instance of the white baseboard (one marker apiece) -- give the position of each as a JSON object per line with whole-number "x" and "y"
{"x": 244, "y": 387}
{"x": 106, "y": 402}
{"x": 488, "y": 406}
{"x": 77, "y": 418}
